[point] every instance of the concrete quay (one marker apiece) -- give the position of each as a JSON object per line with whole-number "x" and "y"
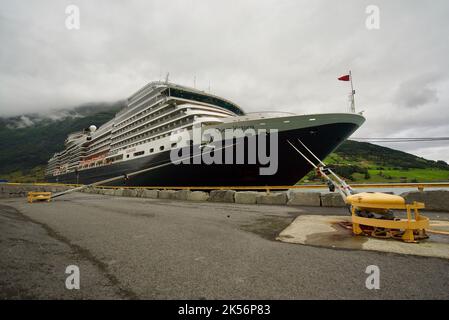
{"x": 164, "y": 248}
{"x": 435, "y": 200}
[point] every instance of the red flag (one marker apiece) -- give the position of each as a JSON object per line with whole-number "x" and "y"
{"x": 344, "y": 78}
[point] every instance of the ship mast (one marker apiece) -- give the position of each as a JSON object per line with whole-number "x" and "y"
{"x": 352, "y": 93}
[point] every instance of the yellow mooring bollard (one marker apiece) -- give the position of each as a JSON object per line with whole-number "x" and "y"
{"x": 408, "y": 230}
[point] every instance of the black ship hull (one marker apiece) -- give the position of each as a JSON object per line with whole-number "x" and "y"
{"x": 322, "y": 140}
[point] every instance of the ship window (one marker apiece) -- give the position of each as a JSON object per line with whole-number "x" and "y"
{"x": 127, "y": 155}
{"x": 173, "y": 145}
{"x": 139, "y": 153}
{"x": 161, "y": 148}
{"x": 151, "y": 150}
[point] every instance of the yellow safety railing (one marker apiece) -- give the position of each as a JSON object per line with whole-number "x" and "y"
{"x": 419, "y": 186}
{"x": 268, "y": 188}
{"x": 39, "y": 196}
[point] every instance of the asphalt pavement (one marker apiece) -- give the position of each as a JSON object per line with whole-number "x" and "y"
{"x": 135, "y": 248}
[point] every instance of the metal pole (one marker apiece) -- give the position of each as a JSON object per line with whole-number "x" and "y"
{"x": 352, "y": 93}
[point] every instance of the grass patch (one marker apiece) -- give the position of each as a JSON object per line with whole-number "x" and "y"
{"x": 410, "y": 175}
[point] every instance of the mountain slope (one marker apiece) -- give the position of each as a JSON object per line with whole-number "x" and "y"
{"x": 28, "y": 141}
{"x": 375, "y": 155}
{"x": 367, "y": 162}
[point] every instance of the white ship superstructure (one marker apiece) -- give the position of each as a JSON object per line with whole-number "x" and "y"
{"x": 143, "y": 127}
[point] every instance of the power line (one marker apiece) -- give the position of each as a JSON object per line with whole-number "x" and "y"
{"x": 413, "y": 139}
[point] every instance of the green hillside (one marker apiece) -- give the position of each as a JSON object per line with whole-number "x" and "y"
{"x": 367, "y": 162}
{"x": 26, "y": 144}
{"x": 25, "y": 151}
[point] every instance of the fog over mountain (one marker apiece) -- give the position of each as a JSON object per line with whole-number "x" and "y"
{"x": 46, "y": 116}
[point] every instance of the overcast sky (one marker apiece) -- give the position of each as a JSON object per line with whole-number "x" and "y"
{"x": 263, "y": 55}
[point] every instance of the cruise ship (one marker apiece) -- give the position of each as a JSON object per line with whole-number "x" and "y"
{"x": 140, "y": 139}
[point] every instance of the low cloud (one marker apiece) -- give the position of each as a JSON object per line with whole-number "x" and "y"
{"x": 21, "y": 122}
{"x": 264, "y": 55}
{"x": 417, "y": 92}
